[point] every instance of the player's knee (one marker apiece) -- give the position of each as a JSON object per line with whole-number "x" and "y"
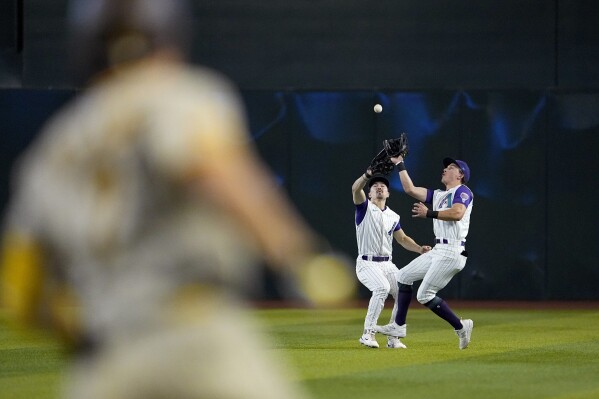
{"x": 402, "y": 278}
{"x": 433, "y": 303}
{"x": 425, "y": 298}
{"x": 381, "y": 292}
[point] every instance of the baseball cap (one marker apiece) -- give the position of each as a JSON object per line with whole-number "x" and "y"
{"x": 378, "y": 178}
{"x": 461, "y": 164}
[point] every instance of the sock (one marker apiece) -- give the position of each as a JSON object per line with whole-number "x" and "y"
{"x": 441, "y": 309}
{"x": 404, "y": 297}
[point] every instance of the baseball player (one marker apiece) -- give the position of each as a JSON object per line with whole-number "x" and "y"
{"x": 450, "y": 211}
{"x": 376, "y": 227}
{"x": 146, "y": 199}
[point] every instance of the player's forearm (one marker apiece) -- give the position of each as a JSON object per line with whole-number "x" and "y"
{"x": 408, "y": 186}
{"x": 283, "y": 234}
{"x": 263, "y": 209}
{"x": 409, "y": 244}
{"x": 357, "y": 189}
{"x": 449, "y": 215}
{"x": 360, "y": 183}
{"x": 406, "y": 182}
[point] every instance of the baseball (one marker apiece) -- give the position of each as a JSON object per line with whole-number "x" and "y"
{"x": 378, "y": 108}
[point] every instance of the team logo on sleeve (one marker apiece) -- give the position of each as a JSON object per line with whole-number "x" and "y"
{"x": 465, "y": 197}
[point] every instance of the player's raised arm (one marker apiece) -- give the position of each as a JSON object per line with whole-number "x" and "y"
{"x": 406, "y": 182}
{"x": 357, "y": 189}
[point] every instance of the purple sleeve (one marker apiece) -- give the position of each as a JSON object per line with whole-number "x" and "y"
{"x": 463, "y": 195}
{"x": 361, "y": 212}
{"x": 397, "y": 226}
{"x": 429, "y": 196}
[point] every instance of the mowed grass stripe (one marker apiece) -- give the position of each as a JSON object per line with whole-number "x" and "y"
{"x": 514, "y": 354}
{"x": 520, "y": 354}
{"x": 473, "y": 377}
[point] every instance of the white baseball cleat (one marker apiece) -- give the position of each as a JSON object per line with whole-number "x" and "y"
{"x": 394, "y": 343}
{"x": 465, "y": 333}
{"x": 367, "y": 339}
{"x": 392, "y": 330}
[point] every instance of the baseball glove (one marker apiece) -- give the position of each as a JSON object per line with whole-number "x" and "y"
{"x": 381, "y": 164}
{"x": 397, "y": 147}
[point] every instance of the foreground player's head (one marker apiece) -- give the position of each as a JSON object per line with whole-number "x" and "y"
{"x": 107, "y": 33}
{"x": 378, "y": 186}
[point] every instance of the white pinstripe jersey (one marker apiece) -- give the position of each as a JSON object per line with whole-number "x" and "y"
{"x": 441, "y": 200}
{"x": 374, "y": 229}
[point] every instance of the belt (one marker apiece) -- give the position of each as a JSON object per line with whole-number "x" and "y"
{"x": 375, "y": 258}
{"x": 446, "y": 241}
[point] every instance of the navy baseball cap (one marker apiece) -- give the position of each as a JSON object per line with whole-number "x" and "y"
{"x": 378, "y": 178}
{"x": 461, "y": 164}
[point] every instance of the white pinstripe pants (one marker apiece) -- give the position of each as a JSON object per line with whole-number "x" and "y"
{"x": 435, "y": 268}
{"x": 380, "y": 278}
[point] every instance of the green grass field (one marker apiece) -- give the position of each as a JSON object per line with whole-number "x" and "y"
{"x": 513, "y": 354}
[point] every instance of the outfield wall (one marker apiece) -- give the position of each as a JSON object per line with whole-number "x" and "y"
{"x": 512, "y": 87}
{"x": 533, "y": 157}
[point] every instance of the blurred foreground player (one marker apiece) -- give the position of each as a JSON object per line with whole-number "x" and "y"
{"x": 143, "y": 200}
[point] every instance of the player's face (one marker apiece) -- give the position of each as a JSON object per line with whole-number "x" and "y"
{"x": 451, "y": 174}
{"x": 379, "y": 190}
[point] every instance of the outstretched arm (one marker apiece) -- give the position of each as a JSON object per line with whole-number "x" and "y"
{"x": 408, "y": 243}
{"x": 406, "y": 182}
{"x": 245, "y": 188}
{"x": 288, "y": 243}
{"x": 357, "y": 189}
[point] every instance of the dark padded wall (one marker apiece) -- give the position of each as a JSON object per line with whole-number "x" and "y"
{"x": 22, "y": 114}
{"x": 388, "y": 43}
{"x": 577, "y": 44}
{"x": 10, "y": 43}
{"x": 572, "y": 188}
{"x": 355, "y": 44}
{"x": 44, "y": 52}
{"x": 8, "y": 25}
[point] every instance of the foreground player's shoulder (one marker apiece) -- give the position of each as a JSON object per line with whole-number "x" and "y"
{"x": 203, "y": 81}
{"x": 216, "y": 105}
{"x": 207, "y": 115}
{"x": 62, "y": 139}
